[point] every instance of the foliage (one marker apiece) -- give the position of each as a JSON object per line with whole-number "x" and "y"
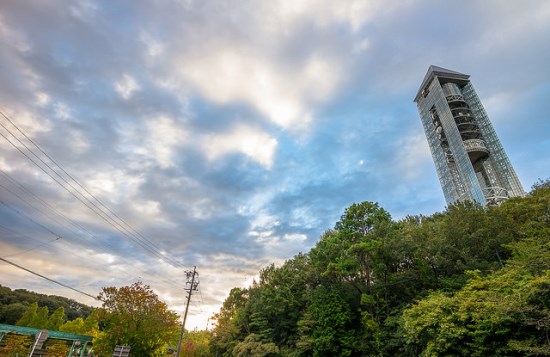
{"x": 231, "y": 323}
{"x": 29, "y": 315}
{"x": 41, "y": 319}
{"x": 13, "y": 304}
{"x": 253, "y": 346}
{"x": 502, "y": 314}
{"x": 88, "y": 327}
{"x": 56, "y": 319}
{"x": 331, "y": 324}
{"x": 134, "y": 315}
{"x": 195, "y": 344}
{"x": 57, "y": 348}
{"x": 38, "y": 317}
{"x": 11, "y": 313}
{"x": 468, "y": 281}
{"x": 15, "y": 345}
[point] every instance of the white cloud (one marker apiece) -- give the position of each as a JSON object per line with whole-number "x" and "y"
{"x": 155, "y": 48}
{"x": 225, "y": 73}
{"x": 360, "y": 46}
{"x": 126, "y": 86}
{"x": 278, "y": 60}
{"x": 252, "y": 142}
{"x": 14, "y": 39}
{"x": 147, "y": 208}
{"x": 115, "y": 184}
{"x": 278, "y": 248}
{"x": 84, "y": 10}
{"x": 62, "y": 111}
{"x": 303, "y": 218}
{"x": 288, "y": 14}
{"x": 295, "y": 237}
{"x": 159, "y": 140}
{"x": 42, "y": 98}
{"x": 413, "y": 154}
{"x": 29, "y": 123}
{"x": 78, "y": 142}
{"x": 165, "y": 135}
{"x": 518, "y": 18}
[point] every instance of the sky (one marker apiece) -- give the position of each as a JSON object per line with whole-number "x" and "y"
{"x": 141, "y": 139}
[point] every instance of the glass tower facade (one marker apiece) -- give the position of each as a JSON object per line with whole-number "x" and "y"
{"x": 469, "y": 159}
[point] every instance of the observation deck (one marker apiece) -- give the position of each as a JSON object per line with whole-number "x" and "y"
{"x": 476, "y": 149}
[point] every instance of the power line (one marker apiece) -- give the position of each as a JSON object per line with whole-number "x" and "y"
{"x": 146, "y": 244}
{"x": 75, "y": 226}
{"x": 125, "y": 228}
{"x": 71, "y": 251}
{"x": 31, "y": 249}
{"x": 30, "y": 219}
{"x": 49, "y": 279}
{"x": 50, "y": 167}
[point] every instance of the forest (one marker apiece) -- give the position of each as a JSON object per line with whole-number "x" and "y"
{"x": 13, "y": 303}
{"x": 470, "y": 281}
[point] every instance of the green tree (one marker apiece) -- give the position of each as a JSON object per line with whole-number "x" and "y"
{"x": 468, "y": 281}
{"x": 87, "y": 327}
{"x": 41, "y": 319}
{"x": 29, "y": 315}
{"x": 74, "y": 326}
{"x": 331, "y": 322}
{"x": 278, "y": 301}
{"x": 503, "y": 314}
{"x": 352, "y": 252}
{"x": 11, "y": 313}
{"x": 254, "y": 346}
{"x": 134, "y": 315}
{"x": 72, "y": 308}
{"x": 56, "y": 319}
{"x": 231, "y": 325}
{"x": 196, "y": 344}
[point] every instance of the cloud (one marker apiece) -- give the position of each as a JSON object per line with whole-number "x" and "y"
{"x": 164, "y": 137}
{"x": 126, "y": 86}
{"x": 232, "y": 134}
{"x": 156, "y": 138}
{"x": 117, "y": 184}
{"x": 412, "y": 155}
{"x": 249, "y": 141}
{"x": 84, "y": 10}
{"x": 281, "y": 94}
{"x": 30, "y": 124}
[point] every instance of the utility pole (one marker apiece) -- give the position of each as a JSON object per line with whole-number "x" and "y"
{"x": 192, "y": 287}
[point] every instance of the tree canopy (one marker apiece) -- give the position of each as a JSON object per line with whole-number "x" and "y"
{"x": 13, "y": 303}
{"x": 468, "y": 281}
{"x": 134, "y": 315}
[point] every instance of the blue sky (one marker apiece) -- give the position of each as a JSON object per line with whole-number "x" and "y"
{"x": 231, "y": 134}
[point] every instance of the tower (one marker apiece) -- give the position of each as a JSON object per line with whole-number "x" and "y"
{"x": 469, "y": 159}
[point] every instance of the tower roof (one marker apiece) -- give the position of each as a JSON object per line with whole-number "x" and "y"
{"x": 440, "y": 72}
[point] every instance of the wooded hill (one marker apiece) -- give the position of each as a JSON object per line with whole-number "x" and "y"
{"x": 467, "y": 282}
{"x": 13, "y": 303}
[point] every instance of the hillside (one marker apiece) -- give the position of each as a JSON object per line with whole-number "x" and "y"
{"x": 13, "y": 304}
{"x": 470, "y": 281}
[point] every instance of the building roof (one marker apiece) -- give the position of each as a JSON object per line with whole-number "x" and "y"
{"x": 439, "y": 72}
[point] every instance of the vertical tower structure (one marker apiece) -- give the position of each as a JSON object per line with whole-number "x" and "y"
{"x": 468, "y": 156}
